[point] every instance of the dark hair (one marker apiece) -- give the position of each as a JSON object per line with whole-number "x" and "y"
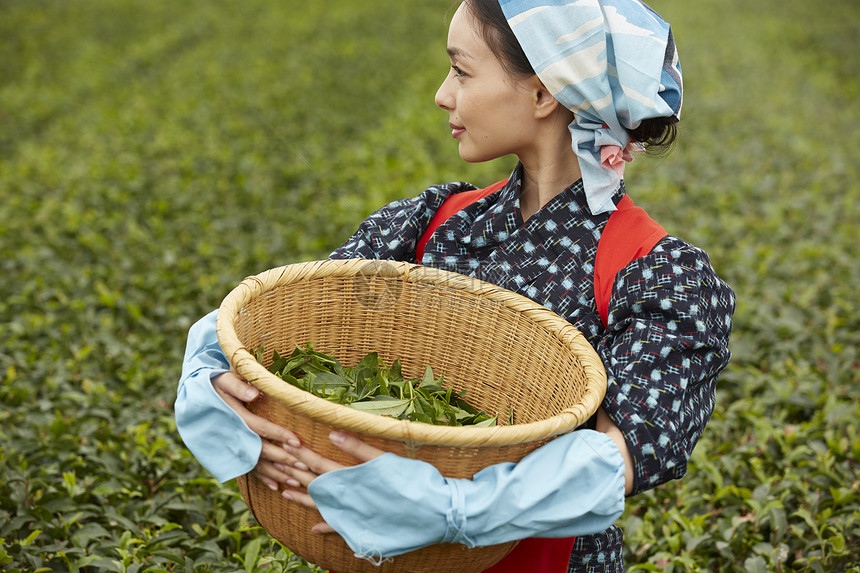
{"x": 657, "y": 134}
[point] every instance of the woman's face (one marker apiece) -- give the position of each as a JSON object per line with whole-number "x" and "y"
{"x": 490, "y": 114}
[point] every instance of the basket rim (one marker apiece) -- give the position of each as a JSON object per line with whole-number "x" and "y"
{"x": 243, "y": 362}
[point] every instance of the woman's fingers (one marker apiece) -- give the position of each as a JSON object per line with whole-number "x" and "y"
{"x": 323, "y": 527}
{"x": 289, "y": 463}
{"x": 316, "y": 464}
{"x": 234, "y": 386}
{"x": 300, "y": 497}
{"x": 270, "y": 474}
{"x": 355, "y": 447}
{"x": 310, "y": 464}
{"x": 235, "y": 392}
{"x": 275, "y": 465}
{"x": 276, "y": 454}
{"x": 272, "y": 467}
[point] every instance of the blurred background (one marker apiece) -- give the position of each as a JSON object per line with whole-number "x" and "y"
{"x": 153, "y": 154}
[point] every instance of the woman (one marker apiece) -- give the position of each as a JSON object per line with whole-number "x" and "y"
{"x": 607, "y": 81}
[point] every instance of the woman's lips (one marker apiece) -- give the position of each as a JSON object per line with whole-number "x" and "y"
{"x": 456, "y": 131}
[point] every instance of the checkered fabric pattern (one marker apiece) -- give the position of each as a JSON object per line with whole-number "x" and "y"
{"x": 669, "y": 315}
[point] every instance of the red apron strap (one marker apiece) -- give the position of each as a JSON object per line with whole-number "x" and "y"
{"x": 628, "y": 235}
{"x": 453, "y": 204}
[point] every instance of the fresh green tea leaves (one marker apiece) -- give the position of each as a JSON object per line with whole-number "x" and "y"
{"x": 372, "y": 387}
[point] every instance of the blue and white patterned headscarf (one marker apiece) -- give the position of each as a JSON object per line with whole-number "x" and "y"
{"x": 613, "y": 63}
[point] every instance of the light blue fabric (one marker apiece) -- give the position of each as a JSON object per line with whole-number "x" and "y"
{"x": 612, "y": 62}
{"x": 391, "y": 505}
{"x": 212, "y": 430}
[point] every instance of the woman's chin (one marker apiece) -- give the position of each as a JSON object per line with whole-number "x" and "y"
{"x": 471, "y": 156}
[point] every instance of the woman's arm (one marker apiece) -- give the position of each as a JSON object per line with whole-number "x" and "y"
{"x": 606, "y": 426}
{"x": 574, "y": 485}
{"x": 212, "y": 418}
{"x": 667, "y": 341}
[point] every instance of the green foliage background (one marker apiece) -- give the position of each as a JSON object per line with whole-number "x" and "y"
{"x": 152, "y": 154}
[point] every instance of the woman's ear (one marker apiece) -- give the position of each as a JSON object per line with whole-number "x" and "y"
{"x": 544, "y": 104}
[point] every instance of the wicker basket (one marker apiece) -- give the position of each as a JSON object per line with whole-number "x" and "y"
{"x": 505, "y": 350}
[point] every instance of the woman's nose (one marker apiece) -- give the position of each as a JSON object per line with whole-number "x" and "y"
{"x": 445, "y": 95}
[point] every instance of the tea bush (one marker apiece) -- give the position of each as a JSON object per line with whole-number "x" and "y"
{"x": 152, "y": 154}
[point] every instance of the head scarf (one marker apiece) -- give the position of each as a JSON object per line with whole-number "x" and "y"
{"x": 613, "y": 63}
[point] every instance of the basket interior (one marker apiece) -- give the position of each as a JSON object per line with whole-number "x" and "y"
{"x": 502, "y": 358}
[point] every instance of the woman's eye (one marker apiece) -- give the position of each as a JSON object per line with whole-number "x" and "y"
{"x": 457, "y": 71}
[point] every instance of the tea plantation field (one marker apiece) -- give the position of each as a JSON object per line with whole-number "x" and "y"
{"x": 153, "y": 154}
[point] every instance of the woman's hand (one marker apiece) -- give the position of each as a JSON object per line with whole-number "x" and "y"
{"x": 283, "y": 459}
{"x": 274, "y": 458}
{"x": 307, "y": 465}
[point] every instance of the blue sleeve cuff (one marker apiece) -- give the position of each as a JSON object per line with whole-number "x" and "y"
{"x": 573, "y": 485}
{"x": 210, "y": 429}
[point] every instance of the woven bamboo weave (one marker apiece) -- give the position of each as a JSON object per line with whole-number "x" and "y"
{"x": 506, "y": 351}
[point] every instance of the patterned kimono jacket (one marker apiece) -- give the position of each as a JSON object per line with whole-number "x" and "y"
{"x": 668, "y": 324}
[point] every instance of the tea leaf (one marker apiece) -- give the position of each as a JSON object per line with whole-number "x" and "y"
{"x": 383, "y": 406}
{"x": 428, "y": 377}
